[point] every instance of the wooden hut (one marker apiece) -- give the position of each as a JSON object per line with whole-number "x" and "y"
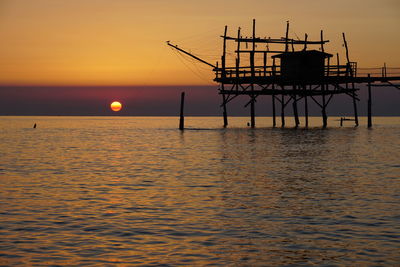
{"x": 306, "y": 67}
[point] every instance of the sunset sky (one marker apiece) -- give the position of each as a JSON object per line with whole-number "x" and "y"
{"x": 123, "y": 43}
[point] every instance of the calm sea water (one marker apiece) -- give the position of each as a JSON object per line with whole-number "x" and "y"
{"x": 135, "y": 190}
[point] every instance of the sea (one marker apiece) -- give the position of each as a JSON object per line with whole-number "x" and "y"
{"x": 126, "y": 191}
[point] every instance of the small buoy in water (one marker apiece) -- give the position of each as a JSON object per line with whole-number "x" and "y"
{"x": 34, "y": 126}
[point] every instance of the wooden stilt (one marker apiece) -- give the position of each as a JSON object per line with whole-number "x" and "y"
{"x": 295, "y": 113}
{"x": 252, "y": 114}
{"x": 306, "y": 109}
{"x": 273, "y": 108}
{"x": 355, "y": 106}
{"x": 182, "y": 118}
{"x": 224, "y": 113}
{"x": 324, "y": 117}
{"x": 223, "y": 60}
{"x": 369, "y": 103}
{"x": 283, "y": 110}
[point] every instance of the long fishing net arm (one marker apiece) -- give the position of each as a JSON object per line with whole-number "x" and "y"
{"x": 189, "y": 54}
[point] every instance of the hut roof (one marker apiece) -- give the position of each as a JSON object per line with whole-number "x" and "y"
{"x": 302, "y": 53}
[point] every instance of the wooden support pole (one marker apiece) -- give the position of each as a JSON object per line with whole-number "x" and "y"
{"x": 324, "y": 116}
{"x": 223, "y": 60}
{"x": 322, "y": 41}
{"x": 384, "y": 67}
{"x": 295, "y": 113}
{"x": 182, "y": 118}
{"x": 287, "y": 37}
{"x": 224, "y": 54}
{"x": 273, "y": 108}
{"x": 238, "y": 57}
{"x": 369, "y": 102}
{"x": 306, "y": 108}
{"x": 283, "y": 110}
{"x": 252, "y": 114}
{"x": 252, "y": 104}
{"x": 355, "y": 105}
{"x": 224, "y": 113}
{"x": 265, "y": 63}
{"x": 305, "y": 42}
{"x": 347, "y": 49}
{"x": 328, "y": 67}
{"x": 252, "y": 52}
{"x": 273, "y": 67}
{"x": 349, "y": 70}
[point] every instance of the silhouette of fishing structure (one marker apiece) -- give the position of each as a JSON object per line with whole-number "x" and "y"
{"x": 300, "y": 70}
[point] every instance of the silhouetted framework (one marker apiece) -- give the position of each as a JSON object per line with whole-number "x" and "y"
{"x": 300, "y": 70}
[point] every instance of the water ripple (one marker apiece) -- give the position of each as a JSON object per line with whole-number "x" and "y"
{"x": 100, "y": 191}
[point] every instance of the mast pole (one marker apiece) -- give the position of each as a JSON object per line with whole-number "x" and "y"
{"x": 252, "y": 108}
{"x": 225, "y": 114}
{"x": 287, "y": 36}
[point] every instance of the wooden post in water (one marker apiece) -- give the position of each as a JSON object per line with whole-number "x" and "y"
{"x": 295, "y": 113}
{"x": 252, "y": 103}
{"x": 283, "y": 110}
{"x": 355, "y": 105}
{"x": 224, "y": 113}
{"x": 223, "y": 60}
{"x": 252, "y": 114}
{"x": 182, "y": 118}
{"x": 273, "y": 107}
{"x": 324, "y": 117}
{"x": 369, "y": 102}
{"x": 306, "y": 107}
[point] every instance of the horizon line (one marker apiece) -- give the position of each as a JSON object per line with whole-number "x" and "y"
{"x": 105, "y": 85}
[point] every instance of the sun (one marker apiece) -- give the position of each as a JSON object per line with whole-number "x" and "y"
{"x": 116, "y": 106}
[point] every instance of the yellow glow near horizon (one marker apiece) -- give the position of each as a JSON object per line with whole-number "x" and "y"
{"x": 121, "y": 42}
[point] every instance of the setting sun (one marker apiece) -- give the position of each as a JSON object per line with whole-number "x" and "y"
{"x": 116, "y": 106}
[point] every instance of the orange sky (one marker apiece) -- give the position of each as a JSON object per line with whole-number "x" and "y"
{"x": 122, "y": 42}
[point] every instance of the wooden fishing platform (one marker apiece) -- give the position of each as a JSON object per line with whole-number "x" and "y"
{"x": 300, "y": 70}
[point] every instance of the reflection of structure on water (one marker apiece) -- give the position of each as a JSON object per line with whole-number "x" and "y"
{"x": 296, "y": 72}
